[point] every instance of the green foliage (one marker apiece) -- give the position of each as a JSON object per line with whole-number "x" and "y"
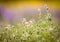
{"x": 42, "y": 30}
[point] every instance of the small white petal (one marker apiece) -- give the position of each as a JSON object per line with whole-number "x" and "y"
{"x": 50, "y": 29}
{"x": 30, "y": 21}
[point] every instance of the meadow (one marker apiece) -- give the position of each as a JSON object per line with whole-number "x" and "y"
{"x": 42, "y": 30}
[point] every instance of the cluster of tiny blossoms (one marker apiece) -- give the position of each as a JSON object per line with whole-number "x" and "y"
{"x": 42, "y": 30}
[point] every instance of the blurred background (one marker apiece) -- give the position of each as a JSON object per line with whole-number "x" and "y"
{"x": 14, "y": 10}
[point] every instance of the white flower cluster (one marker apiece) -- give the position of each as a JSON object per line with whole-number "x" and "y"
{"x": 29, "y": 23}
{"x": 31, "y": 31}
{"x": 9, "y": 26}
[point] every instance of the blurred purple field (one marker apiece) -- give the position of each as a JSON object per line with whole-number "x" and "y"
{"x": 11, "y": 14}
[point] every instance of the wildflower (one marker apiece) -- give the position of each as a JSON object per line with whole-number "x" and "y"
{"x": 25, "y": 34}
{"x": 8, "y": 26}
{"x": 50, "y": 29}
{"x": 30, "y": 22}
{"x": 27, "y": 23}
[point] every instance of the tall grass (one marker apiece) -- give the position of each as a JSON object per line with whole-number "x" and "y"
{"x": 42, "y": 30}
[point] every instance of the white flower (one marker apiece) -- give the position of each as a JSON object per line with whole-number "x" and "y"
{"x": 27, "y": 23}
{"x": 50, "y": 29}
{"x": 8, "y": 26}
{"x": 25, "y": 34}
{"x": 30, "y": 21}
